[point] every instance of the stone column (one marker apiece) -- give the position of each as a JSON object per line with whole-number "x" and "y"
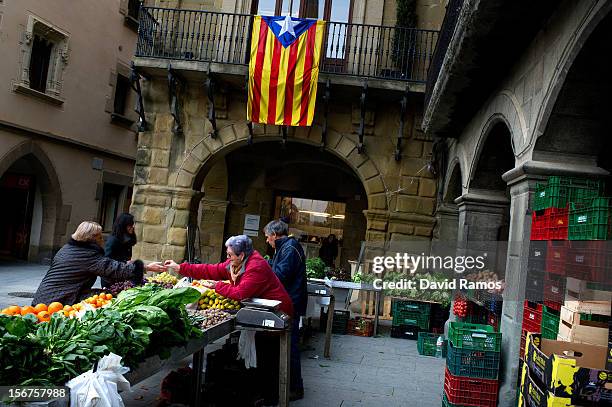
{"x": 447, "y": 223}
{"x": 162, "y": 215}
{"x": 522, "y": 181}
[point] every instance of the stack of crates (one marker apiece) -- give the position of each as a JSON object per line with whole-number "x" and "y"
{"x": 340, "y": 322}
{"x": 409, "y": 318}
{"x": 532, "y": 322}
{"x": 472, "y": 366}
{"x": 550, "y": 323}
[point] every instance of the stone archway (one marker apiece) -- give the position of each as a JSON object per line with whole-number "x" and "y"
{"x": 54, "y": 219}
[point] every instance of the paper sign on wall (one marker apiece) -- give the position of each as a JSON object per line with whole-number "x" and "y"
{"x": 251, "y": 225}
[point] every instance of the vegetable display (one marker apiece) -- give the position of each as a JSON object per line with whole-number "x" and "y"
{"x": 211, "y": 300}
{"x": 209, "y": 317}
{"x": 315, "y": 268}
{"x": 163, "y": 279}
{"x": 140, "y": 322}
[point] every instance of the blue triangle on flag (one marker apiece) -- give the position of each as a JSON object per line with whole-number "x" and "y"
{"x": 288, "y": 26}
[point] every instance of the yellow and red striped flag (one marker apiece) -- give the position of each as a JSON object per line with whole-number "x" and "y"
{"x": 284, "y": 70}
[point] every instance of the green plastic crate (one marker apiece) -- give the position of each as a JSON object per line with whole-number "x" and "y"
{"x": 413, "y": 318}
{"x": 427, "y": 344}
{"x": 474, "y": 336}
{"x": 399, "y": 305}
{"x": 591, "y": 221}
{"x": 594, "y": 318}
{"x": 472, "y": 363}
{"x": 559, "y": 191}
{"x": 550, "y": 323}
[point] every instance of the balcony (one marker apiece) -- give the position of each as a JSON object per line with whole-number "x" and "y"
{"x": 203, "y": 41}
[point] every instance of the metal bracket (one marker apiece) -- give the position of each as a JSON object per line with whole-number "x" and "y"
{"x": 210, "y": 86}
{"x": 135, "y": 85}
{"x": 362, "y": 104}
{"x": 326, "y": 99}
{"x": 174, "y": 85}
{"x": 250, "y": 139}
{"x": 400, "y": 134}
{"x": 284, "y": 135}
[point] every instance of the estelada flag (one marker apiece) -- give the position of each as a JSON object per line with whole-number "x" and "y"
{"x": 284, "y": 70}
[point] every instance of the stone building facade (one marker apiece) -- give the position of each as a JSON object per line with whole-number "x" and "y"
{"x": 205, "y": 182}
{"x": 539, "y": 108}
{"x": 66, "y": 146}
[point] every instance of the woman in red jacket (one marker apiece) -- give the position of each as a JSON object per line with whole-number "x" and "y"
{"x": 249, "y": 275}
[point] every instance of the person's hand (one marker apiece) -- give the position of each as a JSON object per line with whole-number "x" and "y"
{"x": 171, "y": 264}
{"x": 210, "y": 284}
{"x": 155, "y": 267}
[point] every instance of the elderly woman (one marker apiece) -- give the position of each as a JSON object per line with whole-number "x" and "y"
{"x": 76, "y": 266}
{"x": 249, "y": 275}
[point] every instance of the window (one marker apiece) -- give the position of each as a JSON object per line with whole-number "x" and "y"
{"x": 310, "y": 219}
{"x": 122, "y": 90}
{"x": 131, "y": 11}
{"x": 111, "y": 197}
{"x": 120, "y": 97}
{"x": 39, "y": 63}
{"x": 44, "y": 56}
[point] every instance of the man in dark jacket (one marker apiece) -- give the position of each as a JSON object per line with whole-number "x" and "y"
{"x": 78, "y": 263}
{"x": 289, "y": 265}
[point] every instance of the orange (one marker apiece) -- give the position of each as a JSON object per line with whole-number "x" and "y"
{"x": 99, "y": 303}
{"x": 5, "y": 312}
{"x": 94, "y": 297}
{"x": 43, "y": 316}
{"x": 28, "y": 309}
{"x": 40, "y": 307}
{"x": 67, "y": 308}
{"x": 54, "y": 307}
{"x": 109, "y": 296}
{"x": 14, "y": 309}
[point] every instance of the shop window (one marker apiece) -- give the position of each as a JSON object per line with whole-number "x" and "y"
{"x": 44, "y": 57}
{"x": 110, "y": 205}
{"x": 310, "y": 219}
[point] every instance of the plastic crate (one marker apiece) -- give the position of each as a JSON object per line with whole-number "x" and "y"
{"x": 415, "y": 318}
{"x": 427, "y": 344}
{"x": 556, "y": 255}
{"x": 590, "y": 260}
{"x": 472, "y": 363}
{"x": 493, "y": 320}
{"x": 400, "y": 305}
{"x": 474, "y": 336}
{"x": 532, "y": 317}
{"x": 559, "y": 191}
{"x": 339, "y": 324}
{"x": 360, "y": 327}
{"x": 554, "y": 291}
{"x": 405, "y": 332}
{"x": 469, "y": 391}
{"x": 550, "y": 224}
{"x": 550, "y": 323}
{"x": 592, "y": 221}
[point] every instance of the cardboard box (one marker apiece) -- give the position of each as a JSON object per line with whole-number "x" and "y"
{"x": 568, "y": 369}
{"x": 572, "y": 329}
{"x": 531, "y": 395}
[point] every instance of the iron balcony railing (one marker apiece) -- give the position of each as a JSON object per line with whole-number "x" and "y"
{"x": 453, "y": 9}
{"x": 360, "y": 50}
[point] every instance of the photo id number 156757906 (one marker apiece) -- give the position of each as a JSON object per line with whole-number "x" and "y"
{"x": 33, "y": 393}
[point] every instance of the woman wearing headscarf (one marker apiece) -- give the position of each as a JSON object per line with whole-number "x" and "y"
{"x": 249, "y": 275}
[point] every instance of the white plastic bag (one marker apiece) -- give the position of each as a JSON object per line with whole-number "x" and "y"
{"x": 246, "y": 349}
{"x": 100, "y": 388}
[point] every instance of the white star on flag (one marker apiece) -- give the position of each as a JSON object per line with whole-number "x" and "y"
{"x": 286, "y": 26}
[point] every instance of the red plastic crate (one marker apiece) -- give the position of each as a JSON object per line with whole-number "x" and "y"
{"x": 554, "y": 291}
{"x": 556, "y": 255}
{"x": 550, "y": 224}
{"x": 532, "y": 317}
{"x": 468, "y": 391}
{"x": 590, "y": 260}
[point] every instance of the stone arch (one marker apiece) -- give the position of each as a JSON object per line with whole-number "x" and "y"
{"x": 567, "y": 56}
{"x": 495, "y": 125}
{"x": 53, "y": 226}
{"x": 453, "y": 185}
{"x": 206, "y": 152}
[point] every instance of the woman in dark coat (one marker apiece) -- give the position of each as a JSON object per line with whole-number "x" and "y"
{"x": 77, "y": 265}
{"x": 119, "y": 243}
{"x": 329, "y": 250}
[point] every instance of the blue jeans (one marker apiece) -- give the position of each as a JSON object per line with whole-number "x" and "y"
{"x": 295, "y": 381}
